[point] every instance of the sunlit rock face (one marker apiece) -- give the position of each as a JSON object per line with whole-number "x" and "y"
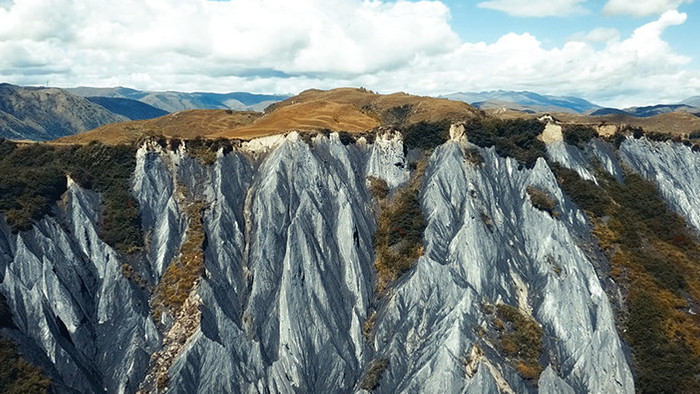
{"x": 289, "y": 279}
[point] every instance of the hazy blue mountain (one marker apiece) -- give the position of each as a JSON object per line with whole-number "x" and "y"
{"x": 652, "y": 110}
{"x": 609, "y": 111}
{"x": 171, "y": 101}
{"x": 132, "y": 109}
{"x": 523, "y": 101}
{"x": 692, "y": 101}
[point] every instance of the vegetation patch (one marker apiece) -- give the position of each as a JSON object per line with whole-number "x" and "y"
{"x": 17, "y": 376}
{"x": 181, "y": 275}
{"x": 378, "y": 187}
{"x": 473, "y": 156}
{"x": 426, "y": 135}
{"x": 398, "y": 242}
{"x": 516, "y": 138}
{"x": 578, "y": 134}
{"x": 374, "y": 374}
{"x": 368, "y": 326}
{"x": 542, "y": 201}
{"x": 33, "y": 178}
{"x": 519, "y": 338}
{"x": 204, "y": 150}
{"x": 655, "y": 257}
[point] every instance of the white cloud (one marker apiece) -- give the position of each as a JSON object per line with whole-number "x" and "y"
{"x": 641, "y": 7}
{"x": 285, "y": 47}
{"x": 640, "y": 69}
{"x": 597, "y": 35}
{"x": 536, "y": 8}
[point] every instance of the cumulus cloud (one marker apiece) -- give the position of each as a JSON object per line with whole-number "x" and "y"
{"x": 641, "y": 7}
{"x": 536, "y": 8}
{"x": 280, "y": 46}
{"x": 337, "y": 38}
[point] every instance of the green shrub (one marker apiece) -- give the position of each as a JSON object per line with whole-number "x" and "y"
{"x": 33, "y": 178}
{"x": 204, "y": 150}
{"x": 542, "y": 201}
{"x": 511, "y": 138}
{"x": 397, "y": 115}
{"x": 578, "y": 134}
{"x": 398, "y": 242}
{"x": 346, "y": 138}
{"x": 425, "y": 135}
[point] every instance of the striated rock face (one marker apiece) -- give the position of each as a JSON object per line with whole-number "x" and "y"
{"x": 675, "y": 169}
{"x": 289, "y": 278}
{"x": 77, "y": 315}
{"x": 486, "y": 243}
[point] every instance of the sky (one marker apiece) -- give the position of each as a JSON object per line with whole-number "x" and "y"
{"x": 612, "y": 52}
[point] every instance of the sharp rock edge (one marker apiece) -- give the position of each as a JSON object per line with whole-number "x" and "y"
{"x": 289, "y": 275}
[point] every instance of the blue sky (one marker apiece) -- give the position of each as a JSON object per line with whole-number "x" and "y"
{"x": 474, "y": 23}
{"x": 612, "y": 52}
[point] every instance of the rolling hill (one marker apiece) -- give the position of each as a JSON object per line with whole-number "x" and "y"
{"x": 42, "y": 114}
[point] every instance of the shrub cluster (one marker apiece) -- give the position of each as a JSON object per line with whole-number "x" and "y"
{"x": 16, "y": 375}
{"x": 542, "y": 201}
{"x": 473, "y": 156}
{"x": 398, "y": 241}
{"x": 374, "y": 374}
{"x": 656, "y": 259}
{"x": 577, "y": 134}
{"x": 378, "y": 187}
{"x": 426, "y": 135}
{"x": 182, "y": 273}
{"x": 204, "y": 150}
{"x": 515, "y": 138}
{"x": 33, "y": 178}
{"x": 519, "y": 337}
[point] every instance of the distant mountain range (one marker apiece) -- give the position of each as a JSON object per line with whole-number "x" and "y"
{"x": 180, "y": 101}
{"x": 524, "y": 101}
{"x": 530, "y": 102}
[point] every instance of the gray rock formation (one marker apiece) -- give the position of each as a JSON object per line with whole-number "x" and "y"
{"x": 675, "y": 169}
{"x": 289, "y": 278}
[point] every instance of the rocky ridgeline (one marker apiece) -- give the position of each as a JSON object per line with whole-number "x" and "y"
{"x": 289, "y": 282}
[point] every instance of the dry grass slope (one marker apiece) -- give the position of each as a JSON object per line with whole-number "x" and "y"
{"x": 183, "y": 125}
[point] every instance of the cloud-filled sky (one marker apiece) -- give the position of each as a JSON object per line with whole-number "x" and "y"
{"x": 612, "y": 52}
